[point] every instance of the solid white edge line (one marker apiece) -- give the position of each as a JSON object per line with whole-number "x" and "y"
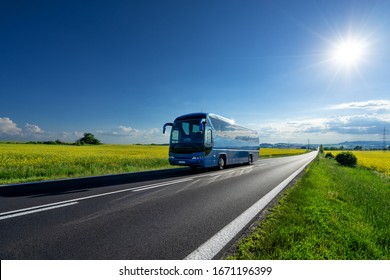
{"x": 216, "y": 243}
{"x": 36, "y": 210}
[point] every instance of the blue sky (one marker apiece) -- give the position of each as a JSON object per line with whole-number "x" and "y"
{"x": 121, "y": 69}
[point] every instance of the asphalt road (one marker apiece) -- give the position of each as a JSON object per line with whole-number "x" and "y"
{"x": 156, "y": 215}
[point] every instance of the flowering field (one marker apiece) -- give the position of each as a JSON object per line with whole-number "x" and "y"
{"x": 28, "y": 162}
{"x": 274, "y": 152}
{"x": 375, "y": 160}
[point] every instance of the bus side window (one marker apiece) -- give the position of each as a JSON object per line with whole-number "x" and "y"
{"x": 208, "y": 138}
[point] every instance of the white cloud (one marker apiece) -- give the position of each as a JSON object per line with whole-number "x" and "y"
{"x": 370, "y": 105}
{"x": 152, "y": 133}
{"x": 359, "y": 124}
{"x": 346, "y": 122}
{"x": 360, "y": 118}
{"x": 354, "y": 121}
{"x": 120, "y": 131}
{"x": 127, "y": 130}
{"x": 68, "y": 136}
{"x": 10, "y": 131}
{"x": 128, "y": 134}
{"x": 34, "y": 129}
{"x": 292, "y": 130}
{"x": 8, "y": 127}
{"x": 121, "y": 134}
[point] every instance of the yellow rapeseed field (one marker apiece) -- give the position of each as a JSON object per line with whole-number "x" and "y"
{"x": 35, "y": 162}
{"x": 272, "y": 152}
{"x": 375, "y": 160}
{"x": 29, "y": 162}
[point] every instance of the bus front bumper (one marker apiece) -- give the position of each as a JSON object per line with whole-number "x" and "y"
{"x": 190, "y": 161}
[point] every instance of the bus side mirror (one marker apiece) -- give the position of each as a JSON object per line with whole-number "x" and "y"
{"x": 165, "y": 126}
{"x": 202, "y": 124}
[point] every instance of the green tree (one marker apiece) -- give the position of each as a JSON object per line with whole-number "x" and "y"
{"x": 329, "y": 155}
{"x": 346, "y": 158}
{"x": 88, "y": 139}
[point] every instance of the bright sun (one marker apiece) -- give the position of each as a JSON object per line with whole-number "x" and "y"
{"x": 348, "y": 53}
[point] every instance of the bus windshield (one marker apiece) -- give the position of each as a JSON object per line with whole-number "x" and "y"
{"x": 187, "y": 132}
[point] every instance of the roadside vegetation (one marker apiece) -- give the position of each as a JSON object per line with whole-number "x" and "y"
{"x": 333, "y": 212}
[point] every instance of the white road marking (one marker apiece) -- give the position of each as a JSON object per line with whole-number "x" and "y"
{"x": 219, "y": 172}
{"x": 21, "y": 212}
{"x": 216, "y": 243}
{"x": 160, "y": 185}
{"x": 45, "y": 207}
{"x": 35, "y": 209}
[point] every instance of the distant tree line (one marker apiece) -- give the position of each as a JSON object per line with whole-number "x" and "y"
{"x": 87, "y": 139}
{"x": 356, "y": 148}
{"x": 56, "y": 142}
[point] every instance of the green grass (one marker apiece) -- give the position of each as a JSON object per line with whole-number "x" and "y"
{"x": 333, "y": 212}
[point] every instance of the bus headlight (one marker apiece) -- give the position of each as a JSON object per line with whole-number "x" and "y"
{"x": 199, "y": 157}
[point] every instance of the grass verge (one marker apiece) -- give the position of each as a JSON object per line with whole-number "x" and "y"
{"x": 333, "y": 212}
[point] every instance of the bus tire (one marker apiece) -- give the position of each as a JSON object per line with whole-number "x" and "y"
{"x": 221, "y": 162}
{"x": 250, "y": 160}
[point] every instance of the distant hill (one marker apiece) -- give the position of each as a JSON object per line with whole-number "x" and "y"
{"x": 364, "y": 144}
{"x": 348, "y": 145}
{"x": 287, "y": 145}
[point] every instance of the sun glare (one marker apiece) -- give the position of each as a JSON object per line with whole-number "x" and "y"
{"x": 348, "y": 56}
{"x": 348, "y": 53}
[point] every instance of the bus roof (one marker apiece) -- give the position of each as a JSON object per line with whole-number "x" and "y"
{"x": 192, "y": 116}
{"x": 203, "y": 115}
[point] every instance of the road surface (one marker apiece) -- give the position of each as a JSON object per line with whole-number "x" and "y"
{"x": 150, "y": 217}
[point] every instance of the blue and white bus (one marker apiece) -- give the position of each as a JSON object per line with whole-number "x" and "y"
{"x": 209, "y": 140}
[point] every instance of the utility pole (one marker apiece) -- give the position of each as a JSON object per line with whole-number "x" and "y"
{"x": 384, "y": 139}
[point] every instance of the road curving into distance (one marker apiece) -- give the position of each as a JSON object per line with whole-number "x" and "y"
{"x": 171, "y": 214}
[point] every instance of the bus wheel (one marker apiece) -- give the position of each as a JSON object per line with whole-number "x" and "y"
{"x": 221, "y": 162}
{"x": 250, "y": 160}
